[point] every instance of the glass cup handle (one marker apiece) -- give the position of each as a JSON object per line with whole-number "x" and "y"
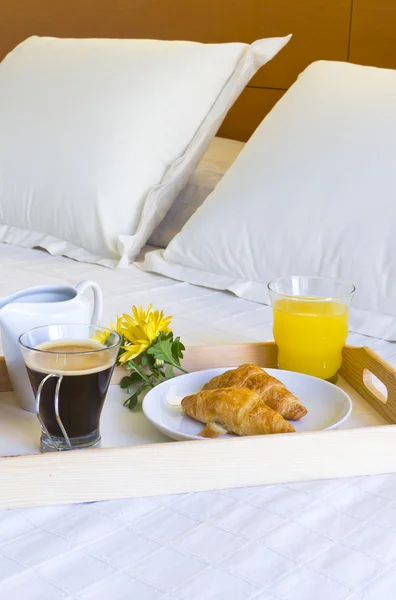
{"x": 56, "y": 407}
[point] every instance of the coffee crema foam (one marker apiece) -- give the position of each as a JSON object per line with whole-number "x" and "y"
{"x": 65, "y": 357}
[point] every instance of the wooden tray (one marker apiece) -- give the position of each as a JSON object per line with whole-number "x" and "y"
{"x": 176, "y": 467}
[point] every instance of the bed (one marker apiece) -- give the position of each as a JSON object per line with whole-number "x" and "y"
{"x": 266, "y": 542}
{"x": 334, "y": 538}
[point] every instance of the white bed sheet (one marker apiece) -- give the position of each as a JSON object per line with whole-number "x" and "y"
{"x": 332, "y": 539}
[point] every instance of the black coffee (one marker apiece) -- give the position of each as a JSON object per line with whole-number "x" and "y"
{"x": 85, "y": 380}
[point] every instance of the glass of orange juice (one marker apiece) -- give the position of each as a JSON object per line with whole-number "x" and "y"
{"x": 311, "y": 323}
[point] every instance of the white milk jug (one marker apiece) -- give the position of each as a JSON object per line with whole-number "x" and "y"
{"x": 37, "y": 306}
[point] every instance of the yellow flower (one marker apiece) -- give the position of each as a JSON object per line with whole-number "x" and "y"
{"x": 141, "y": 329}
{"x": 102, "y": 336}
{"x": 132, "y": 351}
{"x": 118, "y": 325}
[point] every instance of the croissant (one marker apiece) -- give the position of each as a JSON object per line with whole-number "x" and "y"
{"x": 234, "y": 410}
{"x": 271, "y": 391}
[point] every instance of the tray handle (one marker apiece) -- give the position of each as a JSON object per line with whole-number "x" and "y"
{"x": 359, "y": 365}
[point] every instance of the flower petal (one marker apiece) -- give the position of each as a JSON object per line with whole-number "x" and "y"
{"x": 142, "y": 327}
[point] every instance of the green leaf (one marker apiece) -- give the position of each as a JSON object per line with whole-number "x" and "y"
{"x": 169, "y": 373}
{"x": 133, "y": 400}
{"x": 129, "y": 380}
{"x": 162, "y": 350}
{"x": 131, "y": 365}
{"x": 177, "y": 349}
{"x": 147, "y": 369}
{"x": 164, "y": 335}
{"x": 125, "y": 383}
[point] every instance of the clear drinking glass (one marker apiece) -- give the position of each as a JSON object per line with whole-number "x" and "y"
{"x": 311, "y": 323}
{"x": 69, "y": 367}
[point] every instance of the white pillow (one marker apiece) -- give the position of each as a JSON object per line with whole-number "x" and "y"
{"x": 215, "y": 163}
{"x": 312, "y": 193}
{"x": 99, "y": 136}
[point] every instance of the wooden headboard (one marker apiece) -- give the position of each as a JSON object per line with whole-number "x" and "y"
{"x": 357, "y": 30}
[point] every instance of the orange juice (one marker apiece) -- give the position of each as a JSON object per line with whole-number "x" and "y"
{"x": 310, "y": 335}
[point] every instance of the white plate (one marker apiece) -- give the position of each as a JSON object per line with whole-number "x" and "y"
{"x": 328, "y": 406}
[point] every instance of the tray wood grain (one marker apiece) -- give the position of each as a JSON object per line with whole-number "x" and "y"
{"x": 177, "y": 467}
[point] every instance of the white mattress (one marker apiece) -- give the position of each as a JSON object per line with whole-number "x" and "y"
{"x": 333, "y": 540}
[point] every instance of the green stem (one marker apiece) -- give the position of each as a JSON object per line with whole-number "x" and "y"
{"x": 142, "y": 374}
{"x": 177, "y": 366}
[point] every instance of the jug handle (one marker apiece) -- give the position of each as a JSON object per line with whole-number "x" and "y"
{"x": 98, "y": 298}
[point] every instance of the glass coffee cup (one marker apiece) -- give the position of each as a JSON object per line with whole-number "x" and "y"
{"x": 70, "y": 368}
